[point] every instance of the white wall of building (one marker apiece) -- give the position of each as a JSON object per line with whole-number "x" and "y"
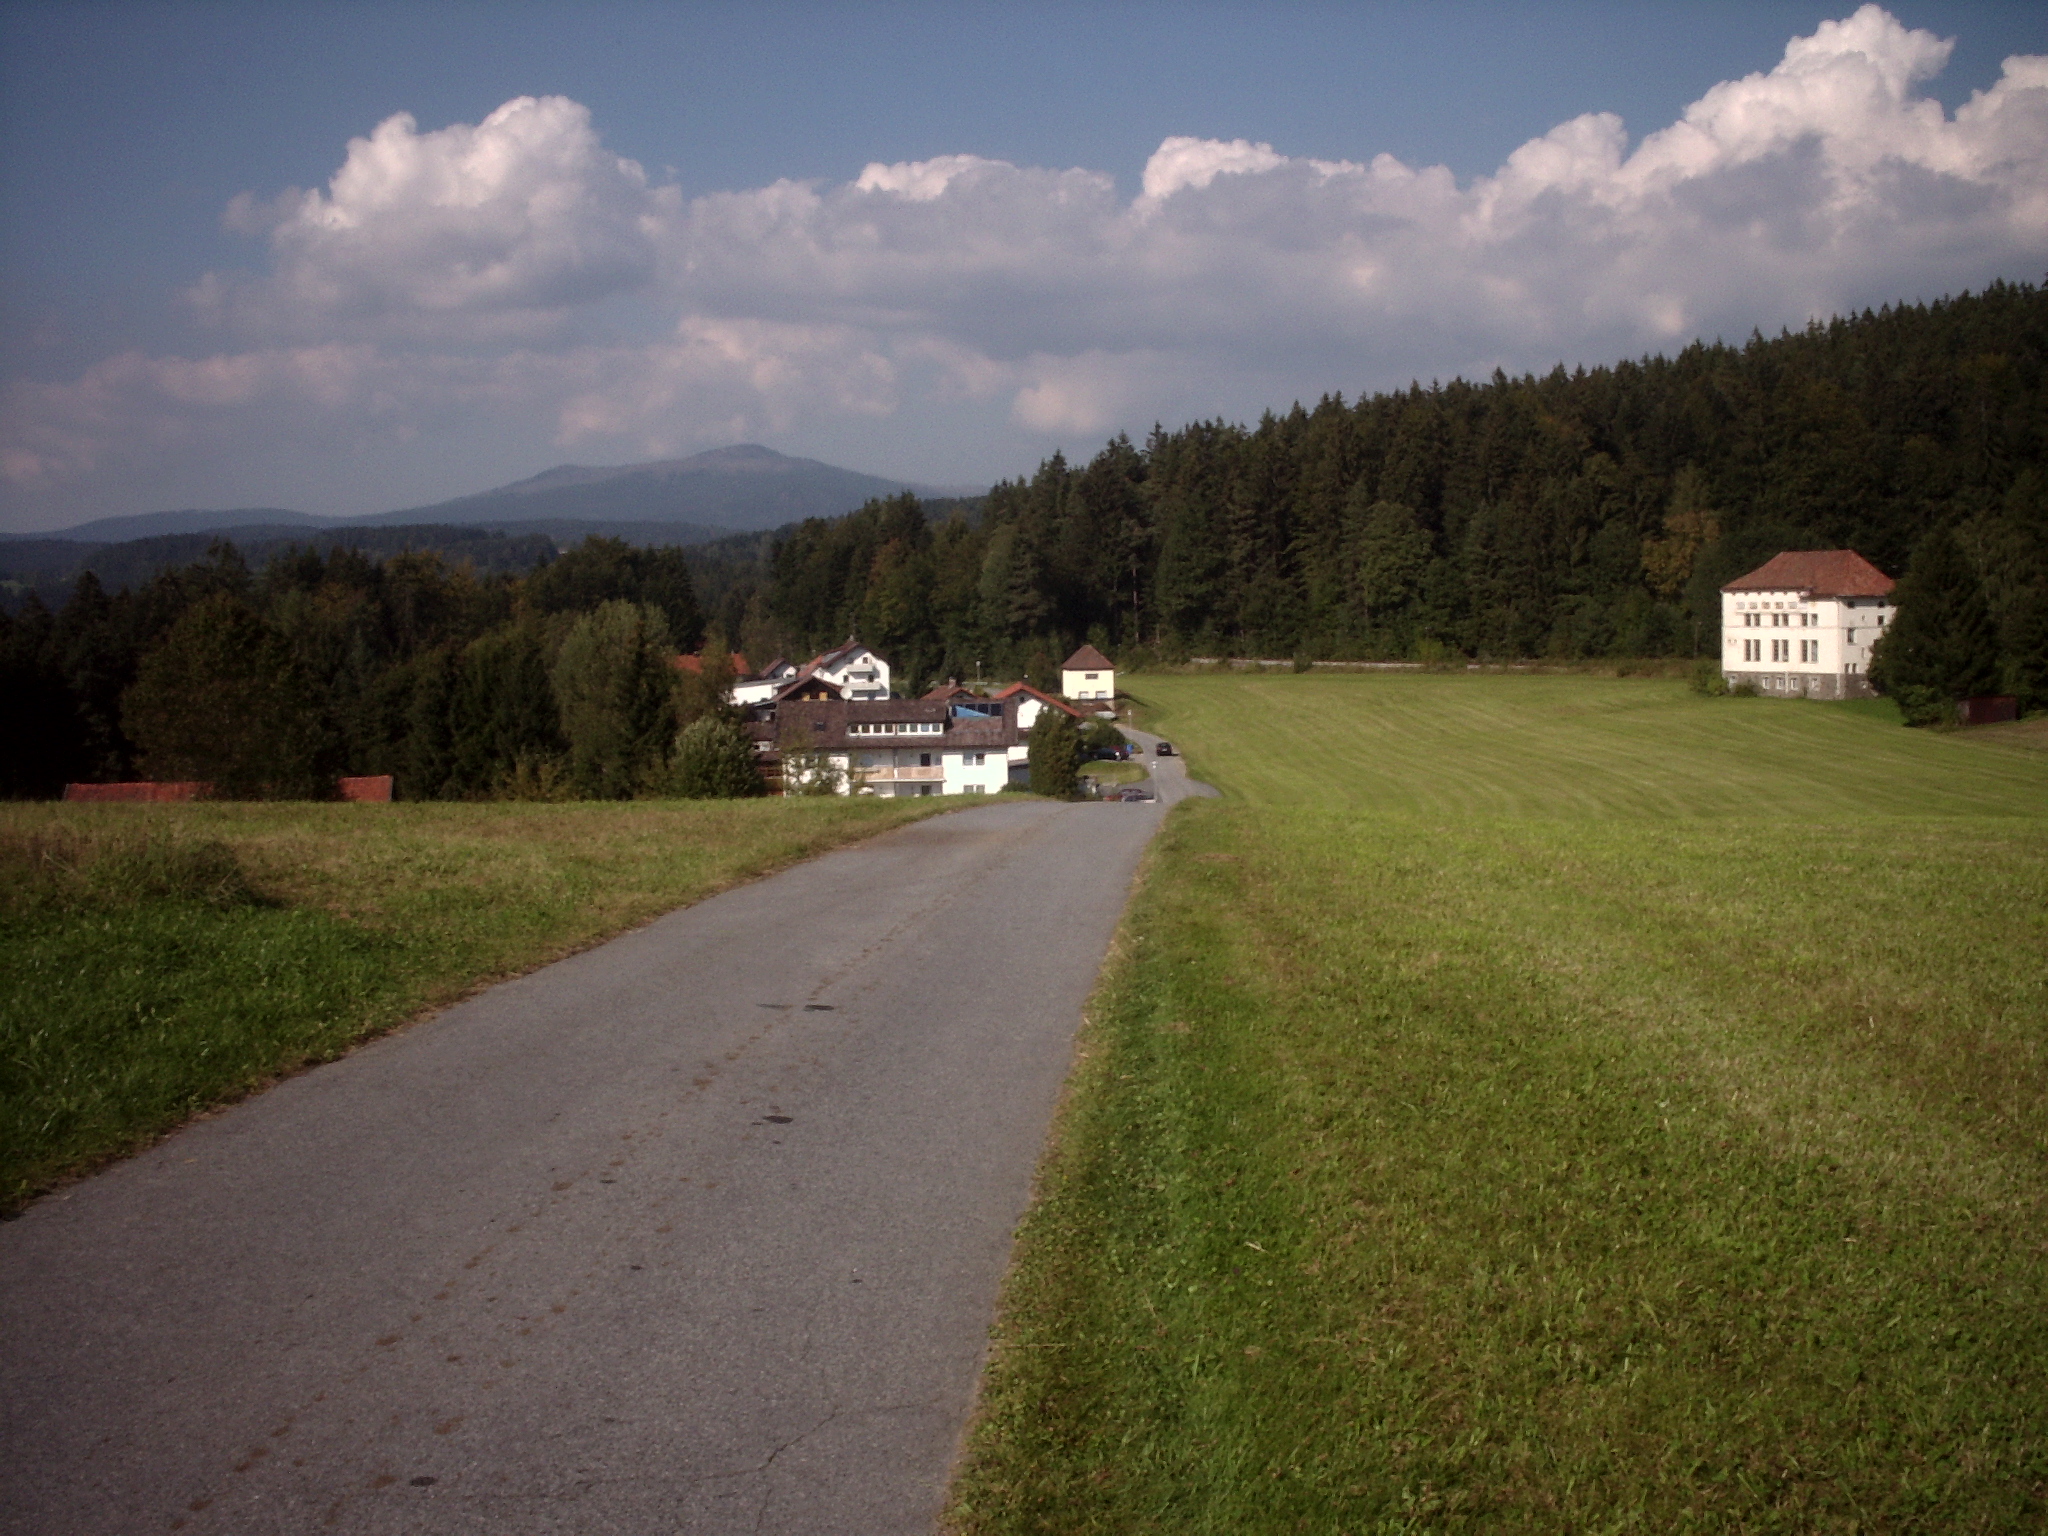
{"x": 1078, "y": 685}
{"x": 1796, "y": 644}
{"x": 861, "y": 673}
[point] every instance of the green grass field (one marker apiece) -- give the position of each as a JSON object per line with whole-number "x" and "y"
{"x": 159, "y": 961}
{"x": 1548, "y": 1104}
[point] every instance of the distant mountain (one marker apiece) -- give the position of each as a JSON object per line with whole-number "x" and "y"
{"x": 746, "y": 489}
{"x": 742, "y": 489}
{"x": 150, "y": 525}
{"x": 49, "y": 567}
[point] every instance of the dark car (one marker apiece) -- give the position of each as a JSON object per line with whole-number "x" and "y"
{"x": 1164, "y": 749}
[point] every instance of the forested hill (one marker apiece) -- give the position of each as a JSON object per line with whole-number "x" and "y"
{"x": 1580, "y": 514}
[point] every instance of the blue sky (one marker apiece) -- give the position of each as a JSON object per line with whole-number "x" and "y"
{"x": 934, "y": 241}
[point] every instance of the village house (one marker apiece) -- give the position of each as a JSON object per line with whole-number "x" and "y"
{"x": 930, "y": 746}
{"x": 1030, "y": 701}
{"x": 828, "y": 718}
{"x": 1802, "y": 624}
{"x": 1088, "y": 676}
{"x": 852, "y": 671}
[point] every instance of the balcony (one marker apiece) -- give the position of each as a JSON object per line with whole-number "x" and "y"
{"x": 900, "y": 775}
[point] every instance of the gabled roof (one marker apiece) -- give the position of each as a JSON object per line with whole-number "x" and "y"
{"x": 1087, "y": 659}
{"x": 806, "y": 679}
{"x": 1816, "y": 572}
{"x": 838, "y": 654}
{"x": 1044, "y": 698}
{"x": 951, "y": 691}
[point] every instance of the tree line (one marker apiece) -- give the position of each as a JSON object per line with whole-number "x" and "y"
{"x": 273, "y": 683}
{"x": 1593, "y": 513}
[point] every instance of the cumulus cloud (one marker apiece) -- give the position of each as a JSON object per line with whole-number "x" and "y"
{"x": 1056, "y": 304}
{"x": 523, "y": 212}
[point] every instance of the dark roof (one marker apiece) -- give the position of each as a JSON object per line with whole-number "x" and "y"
{"x": 1087, "y": 659}
{"x": 951, "y": 691}
{"x": 882, "y": 711}
{"x": 1817, "y": 572}
{"x": 823, "y": 722}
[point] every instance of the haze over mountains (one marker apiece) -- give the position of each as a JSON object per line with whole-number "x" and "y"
{"x": 744, "y": 488}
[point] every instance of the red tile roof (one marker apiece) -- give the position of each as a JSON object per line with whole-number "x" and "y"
{"x": 1818, "y": 572}
{"x": 1045, "y": 698}
{"x": 696, "y": 664}
{"x": 1087, "y": 659}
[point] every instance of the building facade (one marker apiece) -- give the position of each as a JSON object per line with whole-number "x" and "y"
{"x": 1088, "y": 676}
{"x": 958, "y": 746}
{"x": 1802, "y": 624}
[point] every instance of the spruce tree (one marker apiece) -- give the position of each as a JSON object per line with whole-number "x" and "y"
{"x": 1054, "y": 753}
{"x": 611, "y": 680}
{"x": 220, "y": 702}
{"x": 1942, "y": 646}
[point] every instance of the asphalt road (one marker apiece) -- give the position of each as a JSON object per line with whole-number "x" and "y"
{"x": 697, "y": 1232}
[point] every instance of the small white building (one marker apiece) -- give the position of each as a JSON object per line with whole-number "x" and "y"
{"x": 1030, "y": 701}
{"x": 1088, "y": 675}
{"x": 1801, "y": 625}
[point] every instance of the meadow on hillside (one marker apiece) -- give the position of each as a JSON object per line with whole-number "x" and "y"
{"x": 1550, "y": 1104}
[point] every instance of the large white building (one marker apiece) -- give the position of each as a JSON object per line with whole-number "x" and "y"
{"x": 958, "y": 745}
{"x": 1801, "y": 625}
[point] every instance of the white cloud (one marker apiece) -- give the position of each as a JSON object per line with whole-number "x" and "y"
{"x": 1055, "y": 305}
{"x": 523, "y": 212}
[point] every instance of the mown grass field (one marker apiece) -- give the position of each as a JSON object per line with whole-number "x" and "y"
{"x": 158, "y": 961}
{"x": 1548, "y": 1104}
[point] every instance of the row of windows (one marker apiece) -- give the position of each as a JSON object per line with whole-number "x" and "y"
{"x": 924, "y": 760}
{"x": 892, "y": 728}
{"x": 1781, "y": 620}
{"x": 1781, "y": 650}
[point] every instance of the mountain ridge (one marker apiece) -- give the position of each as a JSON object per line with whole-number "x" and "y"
{"x": 740, "y": 488}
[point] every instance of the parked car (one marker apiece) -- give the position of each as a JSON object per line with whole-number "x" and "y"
{"x": 1164, "y": 749}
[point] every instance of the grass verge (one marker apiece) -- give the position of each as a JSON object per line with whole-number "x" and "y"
{"x": 161, "y": 961}
{"x": 1592, "y": 1166}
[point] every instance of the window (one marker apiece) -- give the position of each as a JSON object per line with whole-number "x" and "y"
{"x": 973, "y": 759}
{"x": 1752, "y": 650}
{"x": 1781, "y": 650}
{"x": 974, "y": 789}
{"x": 1809, "y": 650}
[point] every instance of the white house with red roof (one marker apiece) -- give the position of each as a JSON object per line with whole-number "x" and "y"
{"x": 1031, "y": 700}
{"x": 1088, "y": 675}
{"x": 1801, "y": 625}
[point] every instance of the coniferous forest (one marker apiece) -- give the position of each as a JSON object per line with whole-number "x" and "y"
{"x": 1578, "y": 515}
{"x": 1586, "y": 514}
